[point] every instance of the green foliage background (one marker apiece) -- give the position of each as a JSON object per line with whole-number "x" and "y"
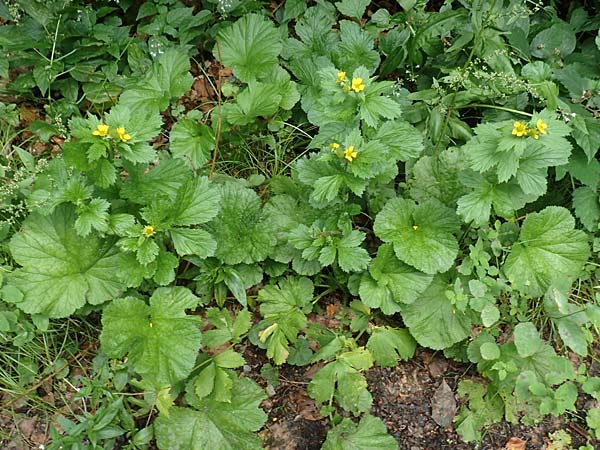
{"x": 433, "y": 166}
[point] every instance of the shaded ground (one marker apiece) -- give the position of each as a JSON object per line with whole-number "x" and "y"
{"x": 404, "y": 397}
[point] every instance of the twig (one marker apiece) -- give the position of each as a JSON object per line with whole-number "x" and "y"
{"x": 219, "y": 119}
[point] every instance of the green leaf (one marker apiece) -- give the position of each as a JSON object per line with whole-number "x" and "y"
{"x": 256, "y": 100}
{"x": 168, "y": 78}
{"x": 375, "y": 106}
{"x": 204, "y": 383}
{"x": 390, "y": 282}
{"x": 476, "y": 206}
{"x": 229, "y": 359}
{"x": 557, "y": 41}
{"x": 60, "y": 271}
{"x": 402, "y": 139}
{"x": 226, "y": 329}
{"x": 352, "y": 257}
{"x": 489, "y": 351}
{"x": 166, "y": 263}
{"x": 527, "y": 339}
{"x": 389, "y": 345}
{"x": 283, "y": 308}
{"x": 432, "y": 319}
{"x": 369, "y": 434}
{"x": 490, "y": 314}
{"x": 196, "y": 202}
{"x": 422, "y": 235}
{"x": 164, "y": 180}
{"x": 94, "y": 215}
{"x": 548, "y": 250}
{"x": 587, "y": 207}
{"x": 149, "y": 333}
{"x": 191, "y": 141}
{"x": 355, "y": 49}
{"x": 591, "y": 386}
{"x": 439, "y": 176}
{"x": 242, "y": 230}
{"x": 573, "y": 336}
{"x": 193, "y": 241}
{"x": 341, "y": 379}
{"x": 250, "y": 47}
{"x": 212, "y": 424}
{"x": 593, "y": 415}
{"x": 352, "y": 8}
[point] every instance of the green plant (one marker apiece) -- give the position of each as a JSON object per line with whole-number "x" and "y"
{"x": 436, "y": 169}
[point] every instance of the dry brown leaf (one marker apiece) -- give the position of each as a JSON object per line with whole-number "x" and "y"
{"x": 515, "y": 443}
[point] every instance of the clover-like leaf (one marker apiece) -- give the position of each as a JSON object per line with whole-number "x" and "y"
{"x": 370, "y": 433}
{"x": 60, "y": 271}
{"x": 548, "y": 250}
{"x": 212, "y": 424}
{"x": 148, "y": 334}
{"x": 342, "y": 380}
{"x": 389, "y": 345}
{"x": 283, "y": 308}
{"x": 422, "y": 235}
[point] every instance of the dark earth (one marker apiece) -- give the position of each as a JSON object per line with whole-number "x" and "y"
{"x": 404, "y": 397}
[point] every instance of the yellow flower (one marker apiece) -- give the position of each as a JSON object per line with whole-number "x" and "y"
{"x": 533, "y": 133}
{"x": 350, "y": 154}
{"x": 357, "y": 84}
{"x": 341, "y": 77}
{"x": 334, "y": 146}
{"x": 541, "y": 126}
{"x": 101, "y": 130}
{"x": 148, "y": 231}
{"x": 520, "y": 129}
{"x": 122, "y": 135}
{"x": 415, "y": 227}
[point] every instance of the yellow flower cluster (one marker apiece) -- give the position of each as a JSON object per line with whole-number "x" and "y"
{"x": 349, "y": 153}
{"x": 520, "y": 129}
{"x": 355, "y": 85}
{"x": 102, "y": 131}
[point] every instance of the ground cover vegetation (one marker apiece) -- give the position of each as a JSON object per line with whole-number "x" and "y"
{"x": 204, "y": 177}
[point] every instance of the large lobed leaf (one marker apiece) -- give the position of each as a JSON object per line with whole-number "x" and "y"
{"x": 548, "y": 250}
{"x": 148, "y": 334}
{"x": 60, "y": 271}
{"x": 242, "y": 230}
{"x": 212, "y": 424}
{"x": 250, "y": 47}
{"x": 168, "y": 78}
{"x": 422, "y": 235}
{"x": 432, "y": 319}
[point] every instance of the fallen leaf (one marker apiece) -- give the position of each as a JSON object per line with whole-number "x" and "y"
{"x": 27, "y": 426}
{"x": 437, "y": 366}
{"x": 331, "y": 310}
{"x": 515, "y": 443}
{"x": 443, "y": 405}
{"x": 305, "y": 407}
